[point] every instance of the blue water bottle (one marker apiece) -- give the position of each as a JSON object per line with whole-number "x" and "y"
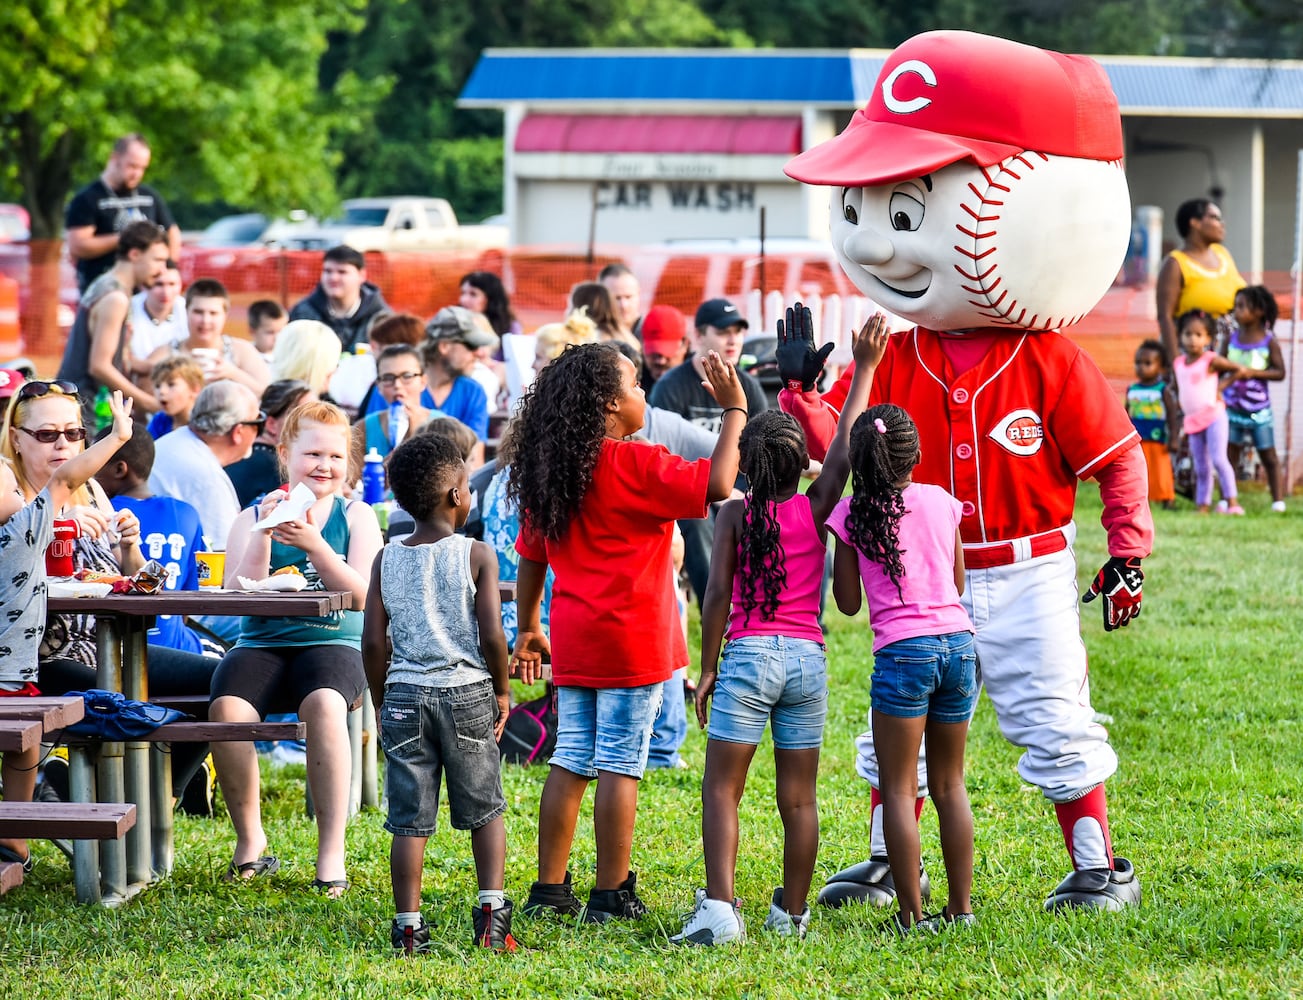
{"x": 397, "y": 423}
{"x": 373, "y": 477}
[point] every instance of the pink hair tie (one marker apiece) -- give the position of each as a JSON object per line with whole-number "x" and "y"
{"x": 877, "y": 422}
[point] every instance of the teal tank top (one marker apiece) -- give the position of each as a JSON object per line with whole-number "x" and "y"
{"x": 339, "y": 628}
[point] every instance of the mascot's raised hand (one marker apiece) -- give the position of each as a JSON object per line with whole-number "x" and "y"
{"x": 800, "y": 363}
{"x": 1119, "y": 582}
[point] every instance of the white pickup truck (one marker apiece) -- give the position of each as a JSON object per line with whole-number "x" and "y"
{"x": 393, "y": 224}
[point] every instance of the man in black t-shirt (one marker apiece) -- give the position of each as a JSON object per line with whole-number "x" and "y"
{"x": 100, "y": 211}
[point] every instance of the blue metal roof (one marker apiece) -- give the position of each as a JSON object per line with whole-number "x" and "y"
{"x": 709, "y": 76}
{"x": 814, "y": 78}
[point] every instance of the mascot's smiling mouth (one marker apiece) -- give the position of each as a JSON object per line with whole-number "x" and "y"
{"x": 904, "y": 292}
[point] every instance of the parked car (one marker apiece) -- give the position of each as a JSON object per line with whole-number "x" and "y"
{"x": 393, "y": 224}
{"x": 15, "y": 223}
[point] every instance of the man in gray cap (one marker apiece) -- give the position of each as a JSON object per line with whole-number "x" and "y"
{"x": 451, "y": 339}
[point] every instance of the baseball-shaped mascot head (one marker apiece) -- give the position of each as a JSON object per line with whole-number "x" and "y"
{"x": 981, "y": 186}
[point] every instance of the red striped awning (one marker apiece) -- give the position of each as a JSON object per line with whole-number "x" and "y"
{"x": 730, "y": 134}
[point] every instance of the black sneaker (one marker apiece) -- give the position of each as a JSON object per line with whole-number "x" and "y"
{"x": 410, "y": 940}
{"x": 197, "y": 799}
{"x": 615, "y": 904}
{"x": 55, "y": 775}
{"x": 493, "y": 927}
{"x": 555, "y": 897}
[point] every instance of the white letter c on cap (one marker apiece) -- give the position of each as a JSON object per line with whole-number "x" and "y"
{"x": 915, "y": 104}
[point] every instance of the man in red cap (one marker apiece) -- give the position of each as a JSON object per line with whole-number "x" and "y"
{"x": 980, "y": 195}
{"x": 664, "y": 343}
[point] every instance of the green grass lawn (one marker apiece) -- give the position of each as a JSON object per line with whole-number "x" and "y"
{"x": 1204, "y": 702}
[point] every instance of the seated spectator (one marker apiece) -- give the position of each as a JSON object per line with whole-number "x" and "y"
{"x": 401, "y": 523}
{"x": 344, "y": 300}
{"x": 593, "y": 297}
{"x": 309, "y": 664}
{"x": 220, "y": 356}
{"x": 189, "y": 463}
{"x": 266, "y": 319}
{"x": 396, "y": 328}
{"x": 157, "y": 317}
{"x": 483, "y": 293}
{"x": 260, "y": 473}
{"x": 308, "y": 351}
{"x": 169, "y": 533}
{"x": 552, "y": 338}
{"x": 664, "y": 343}
{"x": 177, "y": 381}
{"x": 451, "y": 339}
{"x": 401, "y": 381}
{"x": 626, "y": 295}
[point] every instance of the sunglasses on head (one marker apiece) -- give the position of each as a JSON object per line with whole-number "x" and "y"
{"x": 47, "y": 436}
{"x": 35, "y": 389}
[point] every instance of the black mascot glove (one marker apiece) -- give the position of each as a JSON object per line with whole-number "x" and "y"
{"x": 1119, "y": 581}
{"x": 799, "y": 363}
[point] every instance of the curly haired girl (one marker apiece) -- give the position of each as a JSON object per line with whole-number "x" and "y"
{"x": 767, "y": 566}
{"x": 600, "y": 511}
{"x": 901, "y": 539}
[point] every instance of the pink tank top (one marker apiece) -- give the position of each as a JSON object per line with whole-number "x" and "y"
{"x": 802, "y": 551}
{"x": 1196, "y": 386}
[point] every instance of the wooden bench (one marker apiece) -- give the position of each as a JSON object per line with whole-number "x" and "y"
{"x": 20, "y": 734}
{"x": 66, "y": 820}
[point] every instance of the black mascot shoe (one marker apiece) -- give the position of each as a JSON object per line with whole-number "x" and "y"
{"x": 868, "y": 882}
{"x": 1098, "y": 888}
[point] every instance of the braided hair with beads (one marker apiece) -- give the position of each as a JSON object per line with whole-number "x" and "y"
{"x": 883, "y": 453}
{"x": 773, "y": 455}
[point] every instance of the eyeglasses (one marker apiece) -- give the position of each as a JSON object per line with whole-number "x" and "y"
{"x": 405, "y": 378}
{"x": 35, "y": 389}
{"x": 258, "y": 422}
{"x": 47, "y": 436}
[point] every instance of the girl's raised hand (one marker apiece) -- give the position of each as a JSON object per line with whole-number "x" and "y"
{"x": 870, "y": 344}
{"x": 722, "y": 382}
{"x": 121, "y": 410}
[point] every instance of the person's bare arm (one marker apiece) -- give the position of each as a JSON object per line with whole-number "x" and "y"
{"x": 105, "y": 327}
{"x": 1167, "y": 292}
{"x": 717, "y": 599}
{"x": 1275, "y": 370}
{"x": 532, "y": 644}
{"x": 375, "y": 641}
{"x": 83, "y": 244}
{"x": 82, "y": 466}
{"x": 846, "y": 578}
{"x": 493, "y": 641}
{"x": 723, "y": 384}
{"x": 959, "y": 563}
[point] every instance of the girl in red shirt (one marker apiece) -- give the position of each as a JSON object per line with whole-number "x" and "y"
{"x": 600, "y": 511}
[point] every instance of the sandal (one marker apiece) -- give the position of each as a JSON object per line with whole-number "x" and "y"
{"x": 9, "y": 856}
{"x": 268, "y": 864}
{"x": 328, "y": 888}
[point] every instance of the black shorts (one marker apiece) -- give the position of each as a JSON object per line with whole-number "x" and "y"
{"x": 277, "y": 678}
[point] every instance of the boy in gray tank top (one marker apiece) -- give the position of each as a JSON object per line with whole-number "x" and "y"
{"x": 443, "y": 697}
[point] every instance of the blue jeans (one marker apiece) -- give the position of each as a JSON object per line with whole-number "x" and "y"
{"x": 671, "y": 726}
{"x": 605, "y": 729}
{"x": 771, "y": 679}
{"x": 932, "y": 675}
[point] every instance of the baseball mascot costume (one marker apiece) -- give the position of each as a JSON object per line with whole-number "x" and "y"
{"x": 980, "y": 195}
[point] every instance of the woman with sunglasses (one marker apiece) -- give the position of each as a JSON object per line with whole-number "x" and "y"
{"x": 43, "y": 430}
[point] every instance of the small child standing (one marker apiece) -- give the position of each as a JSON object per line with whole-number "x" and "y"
{"x": 901, "y": 539}
{"x": 26, "y": 530}
{"x": 177, "y": 381}
{"x": 1152, "y": 408}
{"x": 443, "y": 699}
{"x": 766, "y": 578}
{"x": 1248, "y": 401}
{"x": 1204, "y": 413}
{"x": 600, "y": 510}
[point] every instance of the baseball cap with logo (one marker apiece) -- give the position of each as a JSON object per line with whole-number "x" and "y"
{"x": 458, "y": 324}
{"x": 662, "y": 330}
{"x": 947, "y": 96}
{"x": 719, "y": 313}
{"x": 10, "y": 380}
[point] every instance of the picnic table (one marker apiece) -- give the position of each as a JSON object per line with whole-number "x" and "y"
{"x": 123, "y": 772}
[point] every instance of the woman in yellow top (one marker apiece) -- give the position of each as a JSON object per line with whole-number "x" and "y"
{"x": 1201, "y": 275}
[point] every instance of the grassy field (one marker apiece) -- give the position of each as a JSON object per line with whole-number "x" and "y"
{"x": 1205, "y": 703}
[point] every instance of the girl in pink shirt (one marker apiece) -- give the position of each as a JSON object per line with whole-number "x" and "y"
{"x": 901, "y": 539}
{"x": 766, "y": 574}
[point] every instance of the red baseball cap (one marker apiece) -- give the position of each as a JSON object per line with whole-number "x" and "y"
{"x": 947, "y": 96}
{"x": 663, "y": 330}
{"x": 10, "y": 380}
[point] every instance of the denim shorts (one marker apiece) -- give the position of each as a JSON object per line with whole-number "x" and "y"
{"x": 932, "y": 675}
{"x": 429, "y": 731}
{"x": 775, "y": 679}
{"x": 1254, "y": 428}
{"x": 605, "y": 729}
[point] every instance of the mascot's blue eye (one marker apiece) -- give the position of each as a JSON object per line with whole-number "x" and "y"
{"x": 906, "y": 212}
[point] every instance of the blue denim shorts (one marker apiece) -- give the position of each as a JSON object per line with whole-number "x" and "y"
{"x": 775, "y": 679}
{"x": 427, "y": 732}
{"x": 932, "y": 675}
{"x": 1256, "y": 428}
{"x": 605, "y": 729}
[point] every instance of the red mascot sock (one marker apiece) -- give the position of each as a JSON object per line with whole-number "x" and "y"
{"x": 877, "y": 842}
{"x": 1085, "y": 829}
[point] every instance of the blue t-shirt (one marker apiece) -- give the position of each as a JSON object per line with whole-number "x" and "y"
{"x": 467, "y": 402}
{"x": 170, "y": 533}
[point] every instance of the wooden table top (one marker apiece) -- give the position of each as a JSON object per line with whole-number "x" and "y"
{"x": 53, "y": 713}
{"x": 209, "y": 601}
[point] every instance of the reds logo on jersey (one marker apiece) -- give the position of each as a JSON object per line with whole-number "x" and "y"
{"x": 1020, "y": 433}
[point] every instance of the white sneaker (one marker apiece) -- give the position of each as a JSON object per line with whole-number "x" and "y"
{"x": 1278, "y": 506}
{"x": 783, "y": 923}
{"x": 712, "y": 922}
{"x": 1222, "y": 507}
